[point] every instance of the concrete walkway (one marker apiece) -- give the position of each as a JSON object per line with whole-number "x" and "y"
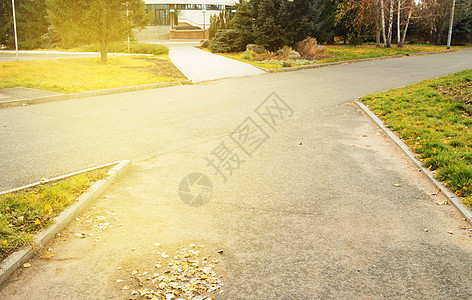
{"x": 199, "y": 65}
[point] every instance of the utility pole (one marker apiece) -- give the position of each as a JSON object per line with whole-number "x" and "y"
{"x": 14, "y": 28}
{"x": 127, "y": 18}
{"x": 449, "y": 36}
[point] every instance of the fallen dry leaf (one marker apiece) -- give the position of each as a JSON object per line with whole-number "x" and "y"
{"x": 47, "y": 256}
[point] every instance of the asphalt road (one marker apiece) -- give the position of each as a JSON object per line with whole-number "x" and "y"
{"x": 55, "y": 138}
{"x": 312, "y": 213}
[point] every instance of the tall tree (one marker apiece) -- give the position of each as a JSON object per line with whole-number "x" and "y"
{"x": 242, "y": 23}
{"x": 98, "y": 21}
{"x": 266, "y": 24}
{"x": 434, "y": 16}
{"x": 359, "y": 17}
{"x": 30, "y": 20}
{"x": 388, "y": 43}
{"x": 410, "y": 11}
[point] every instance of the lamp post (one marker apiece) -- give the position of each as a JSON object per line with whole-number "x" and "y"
{"x": 127, "y": 19}
{"x": 449, "y": 36}
{"x": 204, "y": 11}
{"x": 14, "y": 28}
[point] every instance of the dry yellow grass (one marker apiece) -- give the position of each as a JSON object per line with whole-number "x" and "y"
{"x": 77, "y": 74}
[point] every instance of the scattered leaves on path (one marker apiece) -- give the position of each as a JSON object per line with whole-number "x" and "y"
{"x": 185, "y": 275}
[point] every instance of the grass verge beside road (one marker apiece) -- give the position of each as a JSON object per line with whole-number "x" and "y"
{"x": 86, "y": 74}
{"x": 24, "y": 213}
{"x": 122, "y": 47}
{"x": 434, "y": 118}
{"x": 338, "y": 53}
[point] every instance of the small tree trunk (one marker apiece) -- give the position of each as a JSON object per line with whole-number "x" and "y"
{"x": 406, "y": 26}
{"x": 104, "y": 51}
{"x": 390, "y": 26}
{"x": 398, "y": 23}
{"x": 377, "y": 38}
{"x": 377, "y": 24}
{"x": 382, "y": 13}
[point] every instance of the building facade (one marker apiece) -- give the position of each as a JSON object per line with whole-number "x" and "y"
{"x": 191, "y": 13}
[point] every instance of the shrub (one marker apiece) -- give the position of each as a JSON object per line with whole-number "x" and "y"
{"x": 356, "y": 40}
{"x": 185, "y": 27}
{"x": 204, "y": 43}
{"x": 227, "y": 40}
{"x": 309, "y": 49}
{"x": 217, "y": 22}
{"x": 249, "y": 55}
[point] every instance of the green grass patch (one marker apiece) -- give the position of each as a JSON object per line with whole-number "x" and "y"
{"x": 24, "y": 213}
{"x": 434, "y": 118}
{"x": 342, "y": 53}
{"x": 122, "y": 47}
{"x": 348, "y": 52}
{"x": 241, "y": 57}
{"x": 78, "y": 74}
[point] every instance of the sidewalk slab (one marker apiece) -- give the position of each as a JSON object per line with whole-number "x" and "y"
{"x": 9, "y": 94}
{"x": 19, "y": 99}
{"x": 8, "y": 55}
{"x": 18, "y": 258}
{"x": 199, "y": 65}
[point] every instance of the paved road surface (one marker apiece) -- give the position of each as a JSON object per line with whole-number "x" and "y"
{"x": 199, "y": 65}
{"x": 55, "y": 138}
{"x": 313, "y": 213}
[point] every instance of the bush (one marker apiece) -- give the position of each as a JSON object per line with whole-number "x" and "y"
{"x": 185, "y": 27}
{"x": 122, "y": 47}
{"x": 204, "y": 43}
{"x": 356, "y": 40}
{"x": 309, "y": 49}
{"x": 217, "y": 22}
{"x": 227, "y": 40}
{"x": 248, "y": 55}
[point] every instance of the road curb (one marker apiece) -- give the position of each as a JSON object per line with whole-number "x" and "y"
{"x": 297, "y": 68}
{"x": 451, "y": 197}
{"x": 18, "y": 258}
{"x": 28, "y": 101}
{"x": 72, "y": 53}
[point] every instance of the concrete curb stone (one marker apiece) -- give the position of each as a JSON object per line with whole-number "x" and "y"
{"x": 71, "y": 53}
{"x": 18, "y": 258}
{"x": 451, "y": 197}
{"x": 296, "y": 68}
{"x": 20, "y": 102}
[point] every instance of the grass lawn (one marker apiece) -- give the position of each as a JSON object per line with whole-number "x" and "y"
{"x": 24, "y": 213}
{"x": 85, "y": 74}
{"x": 122, "y": 47}
{"x": 434, "y": 118}
{"x": 345, "y": 53}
